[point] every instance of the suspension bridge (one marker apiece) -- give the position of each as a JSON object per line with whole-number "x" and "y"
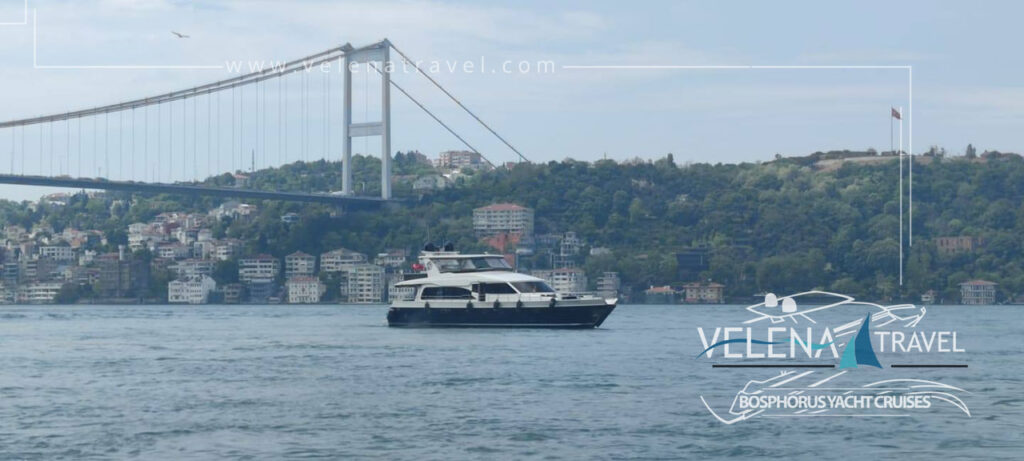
{"x": 172, "y": 142}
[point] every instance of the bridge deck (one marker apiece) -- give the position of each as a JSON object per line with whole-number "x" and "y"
{"x": 162, "y": 188}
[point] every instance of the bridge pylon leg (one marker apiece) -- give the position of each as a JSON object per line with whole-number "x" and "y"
{"x": 376, "y": 53}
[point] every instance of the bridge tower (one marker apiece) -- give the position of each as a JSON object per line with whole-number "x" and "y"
{"x": 378, "y": 52}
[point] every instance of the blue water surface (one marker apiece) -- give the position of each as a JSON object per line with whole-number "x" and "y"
{"x": 273, "y": 382}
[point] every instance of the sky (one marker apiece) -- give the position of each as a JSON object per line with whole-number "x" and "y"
{"x": 963, "y": 56}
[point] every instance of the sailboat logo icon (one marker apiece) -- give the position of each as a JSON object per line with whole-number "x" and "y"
{"x": 859, "y": 350}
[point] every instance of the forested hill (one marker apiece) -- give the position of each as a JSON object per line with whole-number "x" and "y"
{"x": 781, "y": 226}
{"x": 788, "y": 225}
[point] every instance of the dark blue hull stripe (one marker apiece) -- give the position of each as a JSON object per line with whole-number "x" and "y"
{"x": 504, "y": 317}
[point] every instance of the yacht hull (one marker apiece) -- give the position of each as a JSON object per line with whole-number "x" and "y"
{"x": 581, "y": 316}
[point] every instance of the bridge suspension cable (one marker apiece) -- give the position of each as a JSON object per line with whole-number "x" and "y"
{"x": 436, "y": 119}
{"x": 453, "y": 98}
{"x": 297, "y": 65}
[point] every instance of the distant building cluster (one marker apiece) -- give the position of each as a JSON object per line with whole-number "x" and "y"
{"x": 39, "y": 263}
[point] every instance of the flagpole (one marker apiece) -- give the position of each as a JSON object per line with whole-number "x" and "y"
{"x": 910, "y": 185}
{"x": 910, "y": 148}
{"x": 901, "y": 194}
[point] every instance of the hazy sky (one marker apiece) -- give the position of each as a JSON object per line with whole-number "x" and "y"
{"x": 965, "y": 57}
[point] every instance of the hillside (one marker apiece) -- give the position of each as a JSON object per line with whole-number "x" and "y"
{"x": 783, "y": 226}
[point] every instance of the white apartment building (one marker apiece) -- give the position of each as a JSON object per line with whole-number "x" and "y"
{"x": 304, "y": 290}
{"x": 608, "y": 285}
{"x": 365, "y": 284}
{"x": 459, "y": 159}
{"x": 340, "y": 260}
{"x": 174, "y": 251}
{"x": 57, "y": 252}
{"x": 192, "y": 268}
{"x": 391, "y": 258}
{"x": 38, "y": 292}
{"x": 258, "y": 269}
{"x": 502, "y": 218}
{"x": 190, "y": 290}
{"x": 227, "y": 249}
{"x": 564, "y": 280}
{"x": 299, "y": 264}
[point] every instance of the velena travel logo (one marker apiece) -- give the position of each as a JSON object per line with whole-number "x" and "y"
{"x": 817, "y": 358}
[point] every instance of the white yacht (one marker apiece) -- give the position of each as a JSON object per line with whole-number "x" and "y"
{"x": 482, "y": 290}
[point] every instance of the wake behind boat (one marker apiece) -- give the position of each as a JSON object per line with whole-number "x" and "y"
{"x": 482, "y": 290}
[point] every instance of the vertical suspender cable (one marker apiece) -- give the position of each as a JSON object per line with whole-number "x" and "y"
{"x": 241, "y": 128}
{"x": 327, "y": 152}
{"x": 219, "y": 119}
{"x": 264, "y": 153}
{"x": 232, "y": 129}
{"x": 120, "y": 144}
{"x": 195, "y": 140}
{"x": 159, "y": 138}
{"x": 209, "y": 127}
{"x": 280, "y": 140}
{"x": 131, "y": 154}
{"x": 170, "y": 138}
{"x": 106, "y": 144}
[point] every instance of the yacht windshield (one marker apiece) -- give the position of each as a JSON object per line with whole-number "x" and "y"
{"x": 533, "y": 287}
{"x": 488, "y": 263}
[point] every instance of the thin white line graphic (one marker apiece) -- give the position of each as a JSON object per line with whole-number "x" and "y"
{"x": 24, "y": 22}
{"x": 910, "y": 111}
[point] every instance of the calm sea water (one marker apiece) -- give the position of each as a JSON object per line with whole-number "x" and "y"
{"x": 271, "y": 382}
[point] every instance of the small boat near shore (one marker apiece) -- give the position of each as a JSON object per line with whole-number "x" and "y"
{"x": 482, "y": 290}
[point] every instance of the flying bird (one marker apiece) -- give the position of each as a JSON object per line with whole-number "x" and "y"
{"x": 179, "y": 35}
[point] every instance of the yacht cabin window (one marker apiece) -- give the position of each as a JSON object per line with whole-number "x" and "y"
{"x": 445, "y": 293}
{"x": 533, "y": 287}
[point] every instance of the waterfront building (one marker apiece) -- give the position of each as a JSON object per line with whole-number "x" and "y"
{"x": 121, "y": 275}
{"x": 365, "y": 284}
{"x": 232, "y": 293}
{"x": 304, "y": 290}
{"x": 660, "y": 295}
{"x": 977, "y": 292}
{"x": 704, "y": 292}
{"x": 299, "y": 264}
{"x": 502, "y": 218}
{"x": 341, "y": 260}
{"x": 38, "y": 292}
{"x": 190, "y": 290}
{"x": 262, "y": 291}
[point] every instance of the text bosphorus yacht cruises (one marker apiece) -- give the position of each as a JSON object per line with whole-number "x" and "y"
{"x": 482, "y": 290}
